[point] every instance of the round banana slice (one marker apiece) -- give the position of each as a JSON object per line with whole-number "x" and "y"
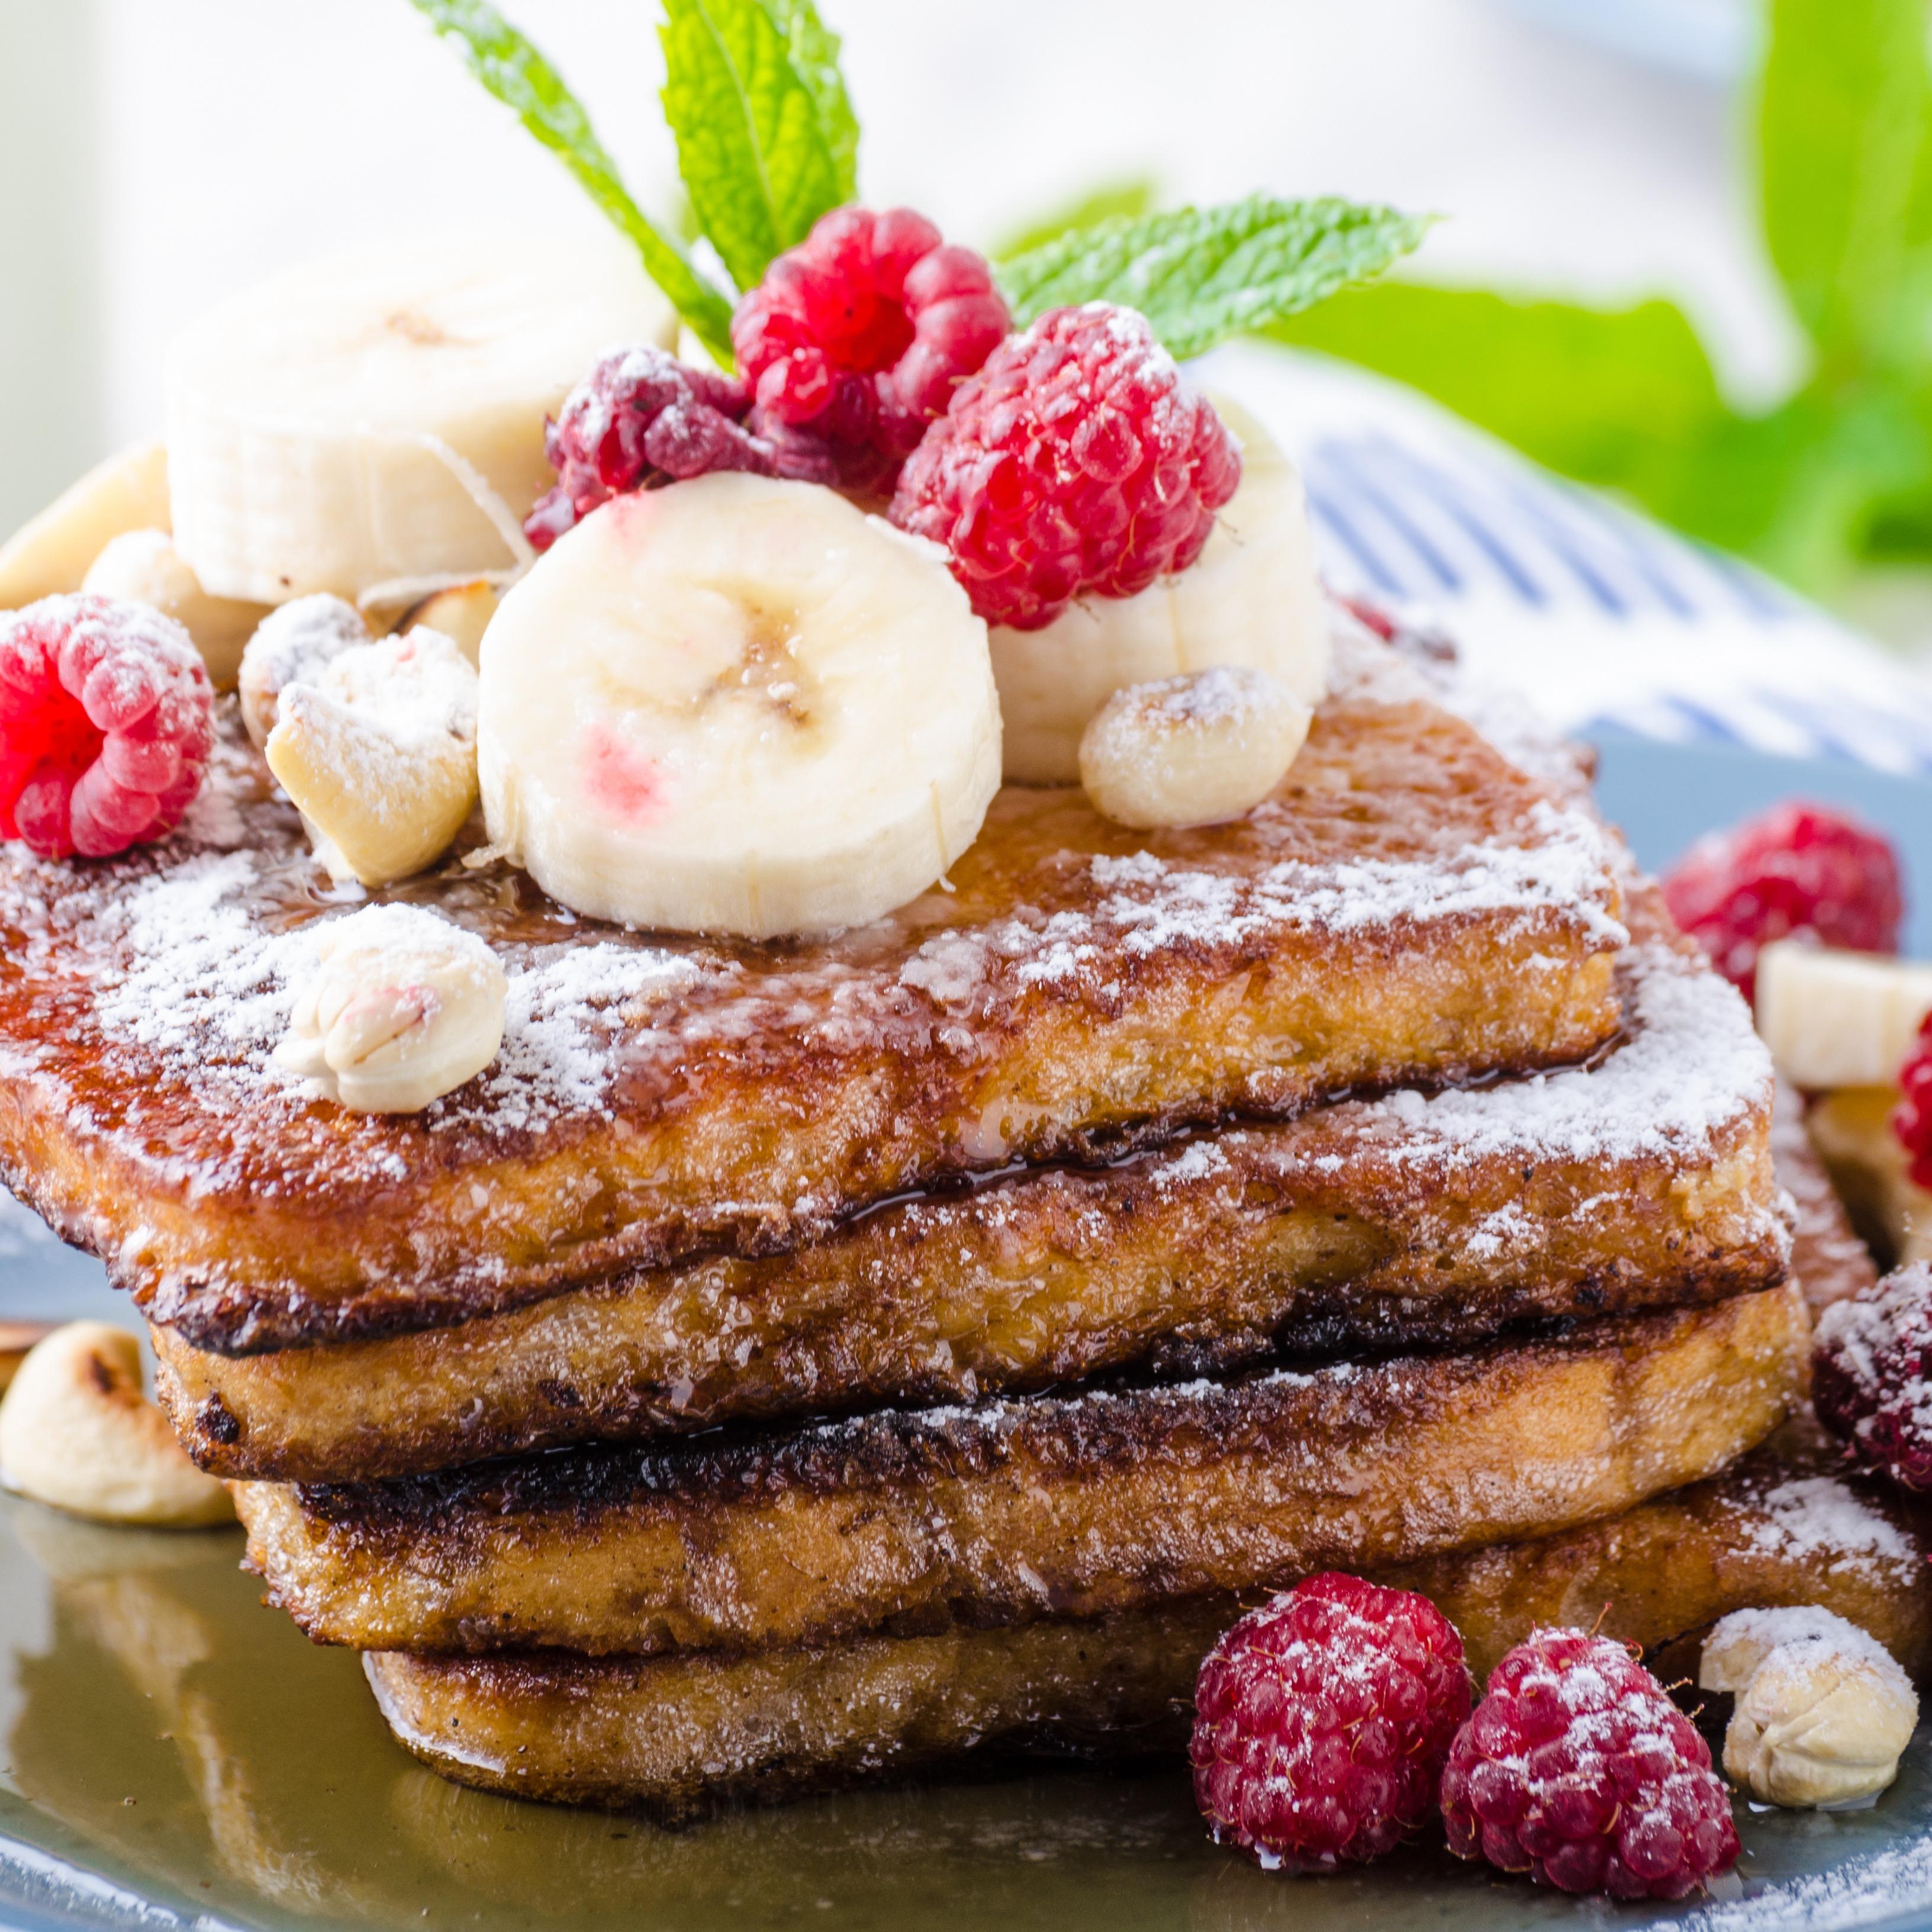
{"x": 1836, "y": 1019}
{"x": 144, "y": 565}
{"x": 1191, "y": 751}
{"x": 736, "y": 705}
{"x": 1252, "y": 598}
{"x": 376, "y": 420}
{"x": 76, "y": 1433}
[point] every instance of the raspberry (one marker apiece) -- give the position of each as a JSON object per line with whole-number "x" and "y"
{"x": 1797, "y": 869}
{"x": 641, "y": 417}
{"x": 1321, "y": 1722}
{"x": 1912, "y": 1118}
{"x": 106, "y": 721}
{"x": 1577, "y": 1768}
{"x": 1076, "y": 462}
{"x": 1871, "y": 1375}
{"x": 857, "y": 339}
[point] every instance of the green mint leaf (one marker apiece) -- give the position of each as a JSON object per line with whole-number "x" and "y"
{"x": 519, "y": 77}
{"x": 1844, "y": 125}
{"x": 813, "y": 48}
{"x": 1200, "y": 275}
{"x": 766, "y": 138}
{"x": 1608, "y": 396}
{"x": 1134, "y": 196}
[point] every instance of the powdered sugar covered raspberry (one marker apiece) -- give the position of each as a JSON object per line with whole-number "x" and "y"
{"x": 641, "y": 417}
{"x": 1872, "y": 1375}
{"x": 106, "y": 720}
{"x": 1798, "y": 869}
{"x": 1322, "y": 1720}
{"x": 1577, "y": 1768}
{"x": 1077, "y": 463}
{"x": 856, "y": 339}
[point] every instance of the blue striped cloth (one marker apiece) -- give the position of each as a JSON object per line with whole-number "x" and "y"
{"x": 1602, "y": 617}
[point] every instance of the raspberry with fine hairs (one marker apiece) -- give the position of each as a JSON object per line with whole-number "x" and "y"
{"x": 1077, "y": 463}
{"x": 856, "y": 339}
{"x": 641, "y": 418}
{"x": 1871, "y": 1375}
{"x": 1577, "y": 1768}
{"x": 1912, "y": 1118}
{"x": 1798, "y": 869}
{"x": 106, "y": 721}
{"x": 1322, "y": 1720}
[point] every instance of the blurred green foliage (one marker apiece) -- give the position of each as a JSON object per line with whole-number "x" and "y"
{"x": 1838, "y": 474}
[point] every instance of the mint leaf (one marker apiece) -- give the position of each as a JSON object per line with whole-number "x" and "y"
{"x": 519, "y": 77}
{"x": 1608, "y": 396}
{"x": 765, "y": 135}
{"x": 814, "y": 50}
{"x": 1200, "y": 275}
{"x": 1844, "y": 125}
{"x": 1133, "y": 196}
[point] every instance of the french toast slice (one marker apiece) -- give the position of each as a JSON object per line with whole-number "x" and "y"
{"x": 1409, "y": 908}
{"x": 1013, "y": 1510}
{"x": 678, "y": 1736}
{"x": 1641, "y": 1182}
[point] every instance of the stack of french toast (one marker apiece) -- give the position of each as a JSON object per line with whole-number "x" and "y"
{"x": 800, "y": 1361}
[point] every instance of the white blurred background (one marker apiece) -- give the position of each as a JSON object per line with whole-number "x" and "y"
{"x": 156, "y": 154}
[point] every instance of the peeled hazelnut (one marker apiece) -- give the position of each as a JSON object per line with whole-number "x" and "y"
{"x": 293, "y": 644}
{"x": 1195, "y": 750}
{"x": 379, "y": 753}
{"x": 405, "y": 1008}
{"x": 1822, "y": 1710}
{"x": 76, "y": 1432}
{"x": 462, "y": 614}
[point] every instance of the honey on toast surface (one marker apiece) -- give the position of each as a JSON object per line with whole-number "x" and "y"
{"x": 1408, "y": 908}
{"x": 1643, "y": 1181}
{"x": 1013, "y": 1510}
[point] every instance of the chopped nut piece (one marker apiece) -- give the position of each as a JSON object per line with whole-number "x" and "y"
{"x": 380, "y": 754}
{"x": 405, "y": 1008}
{"x": 1823, "y": 1709}
{"x": 76, "y": 1433}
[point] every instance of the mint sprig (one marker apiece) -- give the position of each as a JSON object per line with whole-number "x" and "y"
{"x": 767, "y": 140}
{"x": 1202, "y": 274}
{"x": 519, "y": 77}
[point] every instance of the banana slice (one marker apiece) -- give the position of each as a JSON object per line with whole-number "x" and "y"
{"x": 737, "y": 705}
{"x": 405, "y": 1008}
{"x": 1839, "y": 1019}
{"x": 1191, "y": 751}
{"x": 462, "y": 613}
{"x": 376, "y": 420}
{"x": 76, "y": 1433}
{"x": 144, "y": 566}
{"x": 48, "y": 556}
{"x": 1252, "y": 598}
{"x": 380, "y": 754}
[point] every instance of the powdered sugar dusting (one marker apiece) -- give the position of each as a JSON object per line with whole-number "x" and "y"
{"x": 1823, "y": 1523}
{"x": 1872, "y": 1890}
{"x": 1690, "y": 1066}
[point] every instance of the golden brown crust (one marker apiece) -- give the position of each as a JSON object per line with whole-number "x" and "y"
{"x": 678, "y": 1734}
{"x": 1642, "y": 1184}
{"x": 1034, "y": 1507}
{"x": 1408, "y": 908}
